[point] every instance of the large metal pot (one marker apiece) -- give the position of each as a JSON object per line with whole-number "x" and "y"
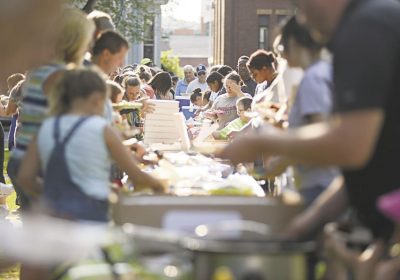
{"x": 245, "y": 250}
{"x": 245, "y": 260}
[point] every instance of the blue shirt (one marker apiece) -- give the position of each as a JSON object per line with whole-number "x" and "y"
{"x": 314, "y": 97}
{"x": 181, "y": 87}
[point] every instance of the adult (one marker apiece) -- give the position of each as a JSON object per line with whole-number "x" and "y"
{"x": 364, "y": 137}
{"x": 263, "y": 67}
{"x": 181, "y": 87}
{"x": 102, "y": 21}
{"x": 224, "y": 107}
{"x": 312, "y": 102}
{"x": 161, "y": 84}
{"x": 249, "y": 85}
{"x": 200, "y": 81}
{"x": 13, "y": 108}
{"x": 74, "y": 36}
{"x": 215, "y": 82}
{"x": 109, "y": 51}
{"x": 224, "y": 70}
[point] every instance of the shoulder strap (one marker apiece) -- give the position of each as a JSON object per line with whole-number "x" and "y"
{"x": 56, "y": 130}
{"x": 73, "y": 129}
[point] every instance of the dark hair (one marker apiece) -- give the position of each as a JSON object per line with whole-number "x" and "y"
{"x": 245, "y": 101}
{"x": 262, "y": 58}
{"x": 131, "y": 81}
{"x": 243, "y": 57}
{"x": 102, "y": 21}
{"x": 119, "y": 79}
{"x": 144, "y": 73}
{"x": 215, "y": 77}
{"x": 145, "y": 76}
{"x": 115, "y": 90}
{"x": 109, "y": 40}
{"x": 196, "y": 93}
{"x": 161, "y": 83}
{"x": 224, "y": 70}
{"x": 214, "y": 68}
{"x": 175, "y": 79}
{"x": 74, "y": 84}
{"x": 292, "y": 29}
{"x": 207, "y": 95}
{"x": 234, "y": 77}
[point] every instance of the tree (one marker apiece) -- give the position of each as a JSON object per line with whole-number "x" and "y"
{"x": 130, "y": 16}
{"x": 170, "y": 63}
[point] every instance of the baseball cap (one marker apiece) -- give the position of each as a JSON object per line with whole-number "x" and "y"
{"x": 201, "y": 68}
{"x": 146, "y": 61}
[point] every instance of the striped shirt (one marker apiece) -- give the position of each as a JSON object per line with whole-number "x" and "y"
{"x": 34, "y": 107}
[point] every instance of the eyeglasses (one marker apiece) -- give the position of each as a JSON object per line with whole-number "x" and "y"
{"x": 201, "y": 73}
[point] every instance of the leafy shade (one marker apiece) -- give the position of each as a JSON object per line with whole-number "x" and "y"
{"x": 131, "y": 17}
{"x": 170, "y": 63}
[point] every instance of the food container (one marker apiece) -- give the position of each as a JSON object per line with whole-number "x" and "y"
{"x": 246, "y": 250}
{"x": 245, "y": 260}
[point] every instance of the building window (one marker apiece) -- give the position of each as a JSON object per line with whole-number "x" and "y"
{"x": 282, "y": 18}
{"x": 148, "y": 42}
{"x": 263, "y": 31}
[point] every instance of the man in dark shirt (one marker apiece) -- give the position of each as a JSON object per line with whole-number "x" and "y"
{"x": 363, "y": 136}
{"x": 249, "y": 85}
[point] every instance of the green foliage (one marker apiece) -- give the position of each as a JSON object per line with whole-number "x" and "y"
{"x": 171, "y": 63}
{"x": 131, "y": 17}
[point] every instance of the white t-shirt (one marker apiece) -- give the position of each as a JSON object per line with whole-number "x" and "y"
{"x": 196, "y": 84}
{"x": 86, "y": 152}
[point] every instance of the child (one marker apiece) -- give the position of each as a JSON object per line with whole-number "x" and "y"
{"x": 197, "y": 98}
{"x": 224, "y": 107}
{"x": 133, "y": 92}
{"x": 72, "y": 151}
{"x": 243, "y": 105}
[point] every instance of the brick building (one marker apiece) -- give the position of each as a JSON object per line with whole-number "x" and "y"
{"x": 243, "y": 26}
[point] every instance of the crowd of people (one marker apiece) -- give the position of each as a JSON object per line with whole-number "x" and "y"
{"x": 334, "y": 129}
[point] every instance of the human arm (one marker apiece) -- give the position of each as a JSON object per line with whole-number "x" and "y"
{"x": 11, "y": 108}
{"x": 3, "y": 111}
{"x": 122, "y": 157}
{"x": 337, "y": 142}
{"x": 275, "y": 166}
{"x": 326, "y": 208}
{"x": 29, "y": 170}
{"x": 237, "y": 89}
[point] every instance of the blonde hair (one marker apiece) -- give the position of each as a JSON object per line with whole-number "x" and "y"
{"x": 74, "y": 35}
{"x": 72, "y": 84}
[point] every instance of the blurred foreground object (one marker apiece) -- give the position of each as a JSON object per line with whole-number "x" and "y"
{"x": 27, "y": 29}
{"x": 36, "y": 241}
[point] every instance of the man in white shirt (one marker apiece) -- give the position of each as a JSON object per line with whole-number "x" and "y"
{"x": 182, "y": 85}
{"x": 200, "y": 81}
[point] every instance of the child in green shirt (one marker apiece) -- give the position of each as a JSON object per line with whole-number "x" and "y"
{"x": 243, "y": 105}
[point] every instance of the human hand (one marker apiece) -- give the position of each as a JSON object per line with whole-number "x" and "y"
{"x": 139, "y": 149}
{"x": 236, "y": 89}
{"x": 148, "y": 107}
{"x": 275, "y": 166}
{"x": 233, "y": 134}
{"x": 241, "y": 150}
